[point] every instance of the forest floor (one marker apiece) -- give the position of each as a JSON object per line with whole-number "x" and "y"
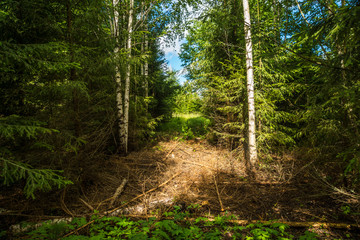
{"x": 207, "y": 175}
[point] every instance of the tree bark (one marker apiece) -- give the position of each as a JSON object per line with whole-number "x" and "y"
{"x": 250, "y": 86}
{"x": 119, "y": 95}
{"x": 127, "y": 80}
{"x": 146, "y": 67}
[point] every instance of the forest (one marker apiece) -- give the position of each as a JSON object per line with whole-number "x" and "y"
{"x": 100, "y": 139}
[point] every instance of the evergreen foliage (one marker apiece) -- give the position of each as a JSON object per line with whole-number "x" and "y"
{"x": 36, "y": 179}
{"x": 58, "y": 90}
{"x": 306, "y": 77}
{"x": 12, "y": 129}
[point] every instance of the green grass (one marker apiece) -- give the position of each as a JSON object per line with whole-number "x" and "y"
{"x": 186, "y": 125}
{"x": 187, "y": 115}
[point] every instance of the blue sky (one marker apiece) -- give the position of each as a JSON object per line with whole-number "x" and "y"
{"x": 172, "y": 56}
{"x": 172, "y": 51}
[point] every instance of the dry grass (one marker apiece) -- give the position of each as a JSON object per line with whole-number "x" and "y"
{"x": 279, "y": 192}
{"x": 211, "y": 176}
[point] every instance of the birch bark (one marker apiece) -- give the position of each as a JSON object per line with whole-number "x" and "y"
{"x": 250, "y": 85}
{"x": 146, "y": 67}
{"x": 127, "y": 80}
{"x": 119, "y": 95}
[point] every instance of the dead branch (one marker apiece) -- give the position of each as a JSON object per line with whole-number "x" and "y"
{"x": 301, "y": 169}
{"x": 142, "y": 164}
{"x": 171, "y": 150}
{"x": 63, "y": 205}
{"x": 118, "y": 191}
{"x": 29, "y": 215}
{"x": 218, "y": 194}
{"x": 335, "y": 189}
{"x": 139, "y": 196}
{"x": 185, "y": 152}
{"x": 86, "y": 204}
{"x": 123, "y": 205}
{"x": 126, "y": 158}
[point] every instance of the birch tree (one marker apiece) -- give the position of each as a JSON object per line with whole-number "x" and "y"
{"x": 122, "y": 96}
{"x": 119, "y": 95}
{"x": 146, "y": 68}
{"x": 250, "y": 86}
{"x": 124, "y": 146}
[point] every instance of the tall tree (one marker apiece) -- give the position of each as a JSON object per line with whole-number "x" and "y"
{"x": 250, "y": 86}
{"x": 115, "y": 31}
{"x": 125, "y": 127}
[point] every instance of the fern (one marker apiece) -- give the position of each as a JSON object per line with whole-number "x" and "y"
{"x": 36, "y": 179}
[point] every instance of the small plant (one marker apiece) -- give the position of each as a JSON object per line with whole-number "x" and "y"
{"x": 268, "y": 231}
{"x": 308, "y": 236}
{"x": 346, "y": 209}
{"x": 50, "y": 230}
{"x": 187, "y": 132}
{"x": 176, "y": 225}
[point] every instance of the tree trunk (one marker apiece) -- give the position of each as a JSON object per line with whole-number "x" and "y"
{"x": 250, "y": 85}
{"x": 119, "y": 95}
{"x": 127, "y": 80}
{"x": 146, "y": 67}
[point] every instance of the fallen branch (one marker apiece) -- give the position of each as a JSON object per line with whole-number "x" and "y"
{"x": 118, "y": 191}
{"x": 123, "y": 205}
{"x": 141, "y": 195}
{"x": 171, "y": 150}
{"x": 20, "y": 228}
{"x": 301, "y": 169}
{"x": 218, "y": 194}
{"x": 86, "y": 204}
{"x": 335, "y": 189}
{"x": 63, "y": 205}
{"x": 185, "y": 152}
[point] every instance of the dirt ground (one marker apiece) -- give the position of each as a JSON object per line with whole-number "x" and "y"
{"x": 210, "y": 176}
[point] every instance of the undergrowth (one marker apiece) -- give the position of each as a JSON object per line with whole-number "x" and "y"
{"x": 187, "y": 126}
{"x": 177, "y": 224}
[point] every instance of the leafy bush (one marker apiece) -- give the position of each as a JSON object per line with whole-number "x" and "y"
{"x": 174, "y": 225}
{"x": 189, "y": 128}
{"x": 198, "y": 125}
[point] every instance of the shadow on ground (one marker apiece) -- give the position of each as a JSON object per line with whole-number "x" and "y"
{"x": 212, "y": 177}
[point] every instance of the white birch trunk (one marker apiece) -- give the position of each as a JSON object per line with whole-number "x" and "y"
{"x": 142, "y": 53}
{"x": 146, "y": 67}
{"x": 127, "y": 80}
{"x": 119, "y": 95}
{"x": 250, "y": 85}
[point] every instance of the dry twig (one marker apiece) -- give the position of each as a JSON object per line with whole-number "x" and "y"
{"x": 63, "y": 205}
{"x": 125, "y": 204}
{"x": 171, "y": 150}
{"x": 218, "y": 194}
{"x": 139, "y": 196}
{"x": 118, "y": 191}
{"x": 86, "y": 204}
